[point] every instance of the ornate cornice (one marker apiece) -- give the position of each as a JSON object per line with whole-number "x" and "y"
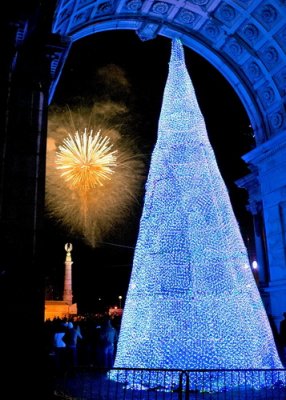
{"x": 272, "y": 147}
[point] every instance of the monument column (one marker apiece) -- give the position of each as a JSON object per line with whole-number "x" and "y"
{"x": 67, "y": 297}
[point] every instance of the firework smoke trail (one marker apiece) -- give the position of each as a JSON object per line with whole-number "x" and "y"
{"x": 95, "y": 212}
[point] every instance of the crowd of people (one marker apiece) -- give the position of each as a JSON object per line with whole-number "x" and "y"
{"x": 92, "y": 341}
{"x": 81, "y": 341}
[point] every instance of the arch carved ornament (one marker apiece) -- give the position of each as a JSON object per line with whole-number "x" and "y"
{"x": 244, "y": 39}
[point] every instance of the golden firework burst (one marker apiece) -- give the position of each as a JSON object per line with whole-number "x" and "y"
{"x": 85, "y": 207}
{"x": 86, "y": 160}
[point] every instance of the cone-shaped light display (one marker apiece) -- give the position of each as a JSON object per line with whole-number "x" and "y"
{"x": 192, "y": 301}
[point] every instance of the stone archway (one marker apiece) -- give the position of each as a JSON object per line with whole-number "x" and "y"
{"x": 245, "y": 41}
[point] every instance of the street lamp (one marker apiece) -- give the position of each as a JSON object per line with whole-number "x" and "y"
{"x": 255, "y": 271}
{"x": 120, "y": 298}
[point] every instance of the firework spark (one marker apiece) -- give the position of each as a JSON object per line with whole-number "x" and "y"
{"x": 86, "y": 160}
{"x": 96, "y": 204}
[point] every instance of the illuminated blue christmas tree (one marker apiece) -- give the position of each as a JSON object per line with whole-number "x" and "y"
{"x": 192, "y": 301}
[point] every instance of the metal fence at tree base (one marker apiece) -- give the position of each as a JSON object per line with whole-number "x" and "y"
{"x": 163, "y": 384}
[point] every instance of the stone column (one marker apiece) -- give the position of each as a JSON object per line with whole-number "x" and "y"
{"x": 251, "y": 184}
{"x": 68, "y": 296}
{"x": 27, "y": 61}
{"x": 270, "y": 161}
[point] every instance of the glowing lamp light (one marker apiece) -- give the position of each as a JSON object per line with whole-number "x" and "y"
{"x": 255, "y": 271}
{"x": 120, "y": 301}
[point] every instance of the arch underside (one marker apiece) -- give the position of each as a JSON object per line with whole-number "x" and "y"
{"x": 245, "y": 40}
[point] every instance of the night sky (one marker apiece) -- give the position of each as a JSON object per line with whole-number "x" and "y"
{"x": 103, "y": 272}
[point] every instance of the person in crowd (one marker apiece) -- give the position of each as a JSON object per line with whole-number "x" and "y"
{"x": 71, "y": 337}
{"x": 108, "y": 337}
{"x": 59, "y": 347}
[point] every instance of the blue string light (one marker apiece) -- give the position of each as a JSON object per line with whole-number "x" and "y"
{"x": 192, "y": 301}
